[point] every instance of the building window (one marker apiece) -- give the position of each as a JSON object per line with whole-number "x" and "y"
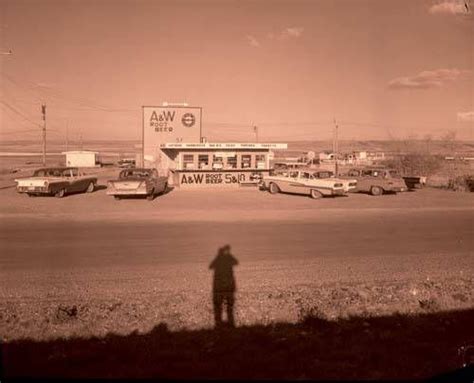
{"x": 217, "y": 162}
{"x": 260, "y": 161}
{"x": 232, "y": 162}
{"x": 246, "y": 161}
{"x": 188, "y": 161}
{"x": 203, "y": 160}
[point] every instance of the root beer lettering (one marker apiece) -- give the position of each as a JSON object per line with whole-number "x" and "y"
{"x": 212, "y": 178}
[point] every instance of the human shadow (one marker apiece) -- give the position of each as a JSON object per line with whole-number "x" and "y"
{"x": 396, "y": 347}
{"x": 223, "y": 286}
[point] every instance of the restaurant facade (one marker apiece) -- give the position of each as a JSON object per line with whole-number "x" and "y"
{"x": 173, "y": 144}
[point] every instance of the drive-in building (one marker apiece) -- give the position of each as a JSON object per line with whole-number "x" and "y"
{"x": 173, "y": 144}
{"x": 223, "y": 163}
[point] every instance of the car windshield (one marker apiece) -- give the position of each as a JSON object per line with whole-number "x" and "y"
{"x": 134, "y": 173}
{"x": 323, "y": 175}
{"x": 70, "y": 172}
{"x": 47, "y": 173}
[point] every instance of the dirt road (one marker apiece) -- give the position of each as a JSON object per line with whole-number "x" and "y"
{"x": 151, "y": 259}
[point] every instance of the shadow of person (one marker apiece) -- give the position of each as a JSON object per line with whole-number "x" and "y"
{"x": 223, "y": 286}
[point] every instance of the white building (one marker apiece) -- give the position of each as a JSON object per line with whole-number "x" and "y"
{"x": 82, "y": 159}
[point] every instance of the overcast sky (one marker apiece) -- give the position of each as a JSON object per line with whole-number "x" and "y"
{"x": 383, "y": 69}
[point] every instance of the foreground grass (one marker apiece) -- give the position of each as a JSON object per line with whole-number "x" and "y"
{"x": 388, "y": 347}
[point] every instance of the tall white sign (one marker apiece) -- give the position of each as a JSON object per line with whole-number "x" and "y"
{"x": 168, "y": 124}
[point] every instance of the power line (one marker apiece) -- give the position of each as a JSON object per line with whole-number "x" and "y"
{"x": 13, "y": 109}
{"x": 3, "y": 132}
{"x": 55, "y": 93}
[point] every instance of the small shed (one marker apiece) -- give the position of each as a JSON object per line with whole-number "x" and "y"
{"x": 82, "y": 158}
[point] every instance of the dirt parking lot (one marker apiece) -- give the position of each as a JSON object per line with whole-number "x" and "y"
{"x": 90, "y": 249}
{"x": 88, "y": 265}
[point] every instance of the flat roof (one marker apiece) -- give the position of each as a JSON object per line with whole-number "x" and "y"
{"x": 222, "y": 145}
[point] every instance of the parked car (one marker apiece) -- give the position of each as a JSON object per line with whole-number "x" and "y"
{"x": 349, "y": 184}
{"x": 377, "y": 181}
{"x": 57, "y": 182}
{"x": 289, "y": 165}
{"x": 302, "y": 182}
{"x": 414, "y": 182}
{"x": 323, "y": 174}
{"x": 126, "y": 163}
{"x": 256, "y": 177}
{"x": 138, "y": 182}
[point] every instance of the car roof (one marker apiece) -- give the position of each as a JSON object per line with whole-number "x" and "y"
{"x": 138, "y": 169}
{"x": 56, "y": 168}
{"x": 371, "y": 168}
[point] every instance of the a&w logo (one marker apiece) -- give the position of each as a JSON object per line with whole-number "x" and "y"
{"x": 160, "y": 121}
{"x": 164, "y": 116}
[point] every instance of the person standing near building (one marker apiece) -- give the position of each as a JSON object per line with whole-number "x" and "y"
{"x": 223, "y": 287}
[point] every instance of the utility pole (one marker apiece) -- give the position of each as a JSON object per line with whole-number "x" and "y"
{"x": 67, "y": 135}
{"x": 43, "y": 111}
{"x": 255, "y": 129}
{"x": 335, "y": 146}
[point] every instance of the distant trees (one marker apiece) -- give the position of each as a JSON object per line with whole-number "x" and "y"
{"x": 416, "y": 164}
{"x": 449, "y": 140}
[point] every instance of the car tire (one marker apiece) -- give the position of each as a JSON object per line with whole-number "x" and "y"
{"x": 90, "y": 187}
{"x": 376, "y": 190}
{"x": 60, "y": 193}
{"x": 273, "y": 188}
{"x": 316, "y": 194}
{"x": 31, "y": 195}
{"x": 117, "y": 197}
{"x": 151, "y": 196}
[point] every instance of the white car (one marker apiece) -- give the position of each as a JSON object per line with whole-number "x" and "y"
{"x": 303, "y": 182}
{"x": 57, "y": 181}
{"x": 138, "y": 182}
{"x": 349, "y": 184}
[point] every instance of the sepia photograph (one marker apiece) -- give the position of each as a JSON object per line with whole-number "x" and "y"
{"x": 237, "y": 189}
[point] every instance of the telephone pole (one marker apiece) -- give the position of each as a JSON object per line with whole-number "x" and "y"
{"x": 43, "y": 111}
{"x": 67, "y": 135}
{"x": 255, "y": 129}
{"x": 335, "y": 146}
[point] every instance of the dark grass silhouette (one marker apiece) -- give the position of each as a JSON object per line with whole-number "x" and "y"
{"x": 390, "y": 347}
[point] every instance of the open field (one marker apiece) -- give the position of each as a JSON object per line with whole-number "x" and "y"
{"x": 464, "y": 147}
{"x": 88, "y": 265}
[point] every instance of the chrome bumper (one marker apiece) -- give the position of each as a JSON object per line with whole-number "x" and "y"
{"x": 33, "y": 189}
{"x": 127, "y": 192}
{"x": 398, "y": 189}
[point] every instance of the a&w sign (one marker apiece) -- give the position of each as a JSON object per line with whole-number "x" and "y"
{"x": 166, "y": 124}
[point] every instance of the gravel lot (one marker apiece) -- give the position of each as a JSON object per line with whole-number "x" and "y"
{"x": 148, "y": 260}
{"x": 87, "y": 265}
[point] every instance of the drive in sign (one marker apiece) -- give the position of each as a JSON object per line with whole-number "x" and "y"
{"x": 163, "y": 124}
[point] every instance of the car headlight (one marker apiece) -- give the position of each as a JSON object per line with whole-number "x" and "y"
{"x": 338, "y": 185}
